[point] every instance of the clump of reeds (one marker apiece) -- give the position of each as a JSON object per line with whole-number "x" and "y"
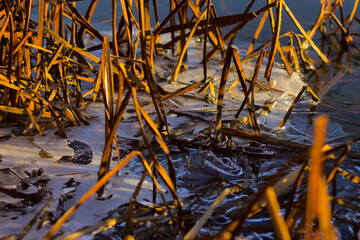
{"x": 48, "y": 76}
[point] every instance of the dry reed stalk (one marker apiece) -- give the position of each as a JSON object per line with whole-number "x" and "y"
{"x": 318, "y": 200}
{"x": 170, "y": 180}
{"x": 250, "y": 92}
{"x": 275, "y": 213}
{"x": 183, "y": 52}
{"x": 107, "y": 82}
{"x": 296, "y": 100}
{"x": 306, "y": 36}
{"x": 275, "y": 40}
{"x": 221, "y": 92}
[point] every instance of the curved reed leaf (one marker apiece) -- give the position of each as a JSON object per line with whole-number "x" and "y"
{"x": 87, "y": 195}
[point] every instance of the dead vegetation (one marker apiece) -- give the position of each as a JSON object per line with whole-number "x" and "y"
{"x": 48, "y": 76}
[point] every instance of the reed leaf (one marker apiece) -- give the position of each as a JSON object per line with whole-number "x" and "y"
{"x": 348, "y": 175}
{"x": 87, "y": 195}
{"x": 275, "y": 40}
{"x": 296, "y": 100}
{"x": 221, "y": 92}
{"x": 204, "y": 218}
{"x": 183, "y": 52}
{"x": 275, "y": 213}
